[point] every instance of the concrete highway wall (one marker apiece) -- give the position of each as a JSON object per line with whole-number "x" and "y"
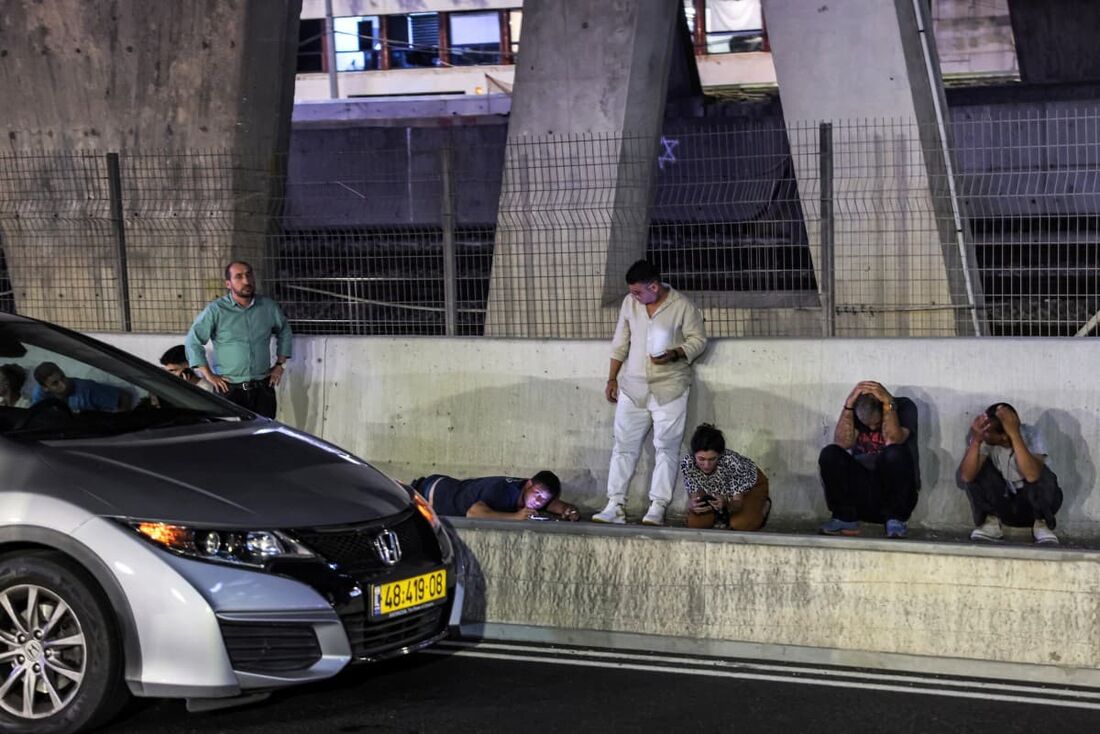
{"x": 1009, "y": 612}
{"x": 414, "y": 406}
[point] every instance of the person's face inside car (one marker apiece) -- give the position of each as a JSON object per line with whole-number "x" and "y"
{"x": 536, "y": 496}
{"x": 179, "y": 369}
{"x": 57, "y": 385}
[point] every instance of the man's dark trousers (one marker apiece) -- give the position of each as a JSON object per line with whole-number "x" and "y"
{"x": 878, "y": 488}
{"x": 257, "y": 395}
{"x": 1038, "y": 500}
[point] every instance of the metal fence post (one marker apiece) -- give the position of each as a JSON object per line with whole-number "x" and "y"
{"x": 330, "y": 52}
{"x": 114, "y": 184}
{"x": 450, "y": 284}
{"x": 828, "y": 231}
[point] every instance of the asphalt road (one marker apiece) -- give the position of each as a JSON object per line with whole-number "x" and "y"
{"x": 511, "y": 688}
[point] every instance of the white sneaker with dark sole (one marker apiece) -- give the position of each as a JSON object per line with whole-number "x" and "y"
{"x": 612, "y": 514}
{"x": 655, "y": 515}
{"x": 1042, "y": 534}
{"x": 990, "y": 531}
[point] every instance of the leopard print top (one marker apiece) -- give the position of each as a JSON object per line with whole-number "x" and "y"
{"x": 735, "y": 474}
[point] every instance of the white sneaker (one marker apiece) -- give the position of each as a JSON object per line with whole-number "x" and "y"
{"x": 988, "y": 530}
{"x": 613, "y": 514}
{"x": 1042, "y": 534}
{"x": 655, "y": 515}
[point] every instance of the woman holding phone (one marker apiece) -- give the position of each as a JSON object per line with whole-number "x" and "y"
{"x": 722, "y": 485}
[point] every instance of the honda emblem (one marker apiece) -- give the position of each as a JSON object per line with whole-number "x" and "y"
{"x": 388, "y": 547}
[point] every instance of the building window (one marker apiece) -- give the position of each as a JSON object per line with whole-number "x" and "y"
{"x": 728, "y": 26}
{"x": 413, "y": 40}
{"x": 515, "y": 22}
{"x": 311, "y": 46}
{"x": 475, "y": 38}
{"x": 357, "y": 43}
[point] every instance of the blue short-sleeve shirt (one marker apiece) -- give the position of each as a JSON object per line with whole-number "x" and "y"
{"x": 86, "y": 395}
{"x": 455, "y": 497}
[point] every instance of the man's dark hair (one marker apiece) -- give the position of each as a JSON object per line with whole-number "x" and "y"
{"x": 994, "y": 421}
{"x": 231, "y": 264}
{"x": 865, "y": 406}
{"x": 45, "y": 371}
{"x": 549, "y": 480}
{"x": 643, "y": 272}
{"x": 15, "y": 375}
{"x": 707, "y": 438}
{"x": 175, "y": 355}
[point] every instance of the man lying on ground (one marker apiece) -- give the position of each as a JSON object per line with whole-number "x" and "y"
{"x": 498, "y": 498}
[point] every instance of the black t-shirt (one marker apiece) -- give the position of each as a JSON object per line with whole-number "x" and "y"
{"x": 868, "y": 442}
{"x": 455, "y": 497}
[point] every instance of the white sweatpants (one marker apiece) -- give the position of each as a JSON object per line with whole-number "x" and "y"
{"x": 631, "y": 425}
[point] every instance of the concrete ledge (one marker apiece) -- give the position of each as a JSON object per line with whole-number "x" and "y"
{"x": 1015, "y": 613}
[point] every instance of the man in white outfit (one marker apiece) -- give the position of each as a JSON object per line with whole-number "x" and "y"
{"x": 659, "y": 335}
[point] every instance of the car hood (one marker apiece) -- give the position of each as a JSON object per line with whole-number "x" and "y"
{"x": 260, "y": 475}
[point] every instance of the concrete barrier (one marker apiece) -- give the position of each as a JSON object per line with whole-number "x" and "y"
{"x": 1016, "y": 613}
{"x": 470, "y": 407}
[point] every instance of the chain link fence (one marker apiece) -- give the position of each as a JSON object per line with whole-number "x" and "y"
{"x": 863, "y": 228}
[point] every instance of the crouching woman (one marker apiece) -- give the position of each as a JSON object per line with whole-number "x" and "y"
{"x": 724, "y": 488}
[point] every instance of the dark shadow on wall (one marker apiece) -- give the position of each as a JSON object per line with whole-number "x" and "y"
{"x": 1076, "y": 472}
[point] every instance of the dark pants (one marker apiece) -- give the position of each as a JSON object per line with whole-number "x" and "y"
{"x": 873, "y": 489}
{"x": 1038, "y": 500}
{"x": 259, "y": 397}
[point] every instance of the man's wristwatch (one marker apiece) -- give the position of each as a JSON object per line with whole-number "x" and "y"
{"x": 889, "y": 406}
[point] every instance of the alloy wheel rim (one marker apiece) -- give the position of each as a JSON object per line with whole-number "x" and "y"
{"x": 43, "y": 654}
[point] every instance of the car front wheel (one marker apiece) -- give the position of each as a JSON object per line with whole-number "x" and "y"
{"x": 60, "y": 657}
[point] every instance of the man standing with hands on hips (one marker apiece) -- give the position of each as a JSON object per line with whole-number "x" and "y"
{"x": 241, "y": 324}
{"x": 658, "y": 336}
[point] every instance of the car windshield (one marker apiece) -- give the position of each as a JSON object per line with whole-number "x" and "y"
{"x": 55, "y": 384}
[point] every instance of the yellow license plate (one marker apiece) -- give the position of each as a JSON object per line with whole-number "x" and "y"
{"x": 409, "y": 594}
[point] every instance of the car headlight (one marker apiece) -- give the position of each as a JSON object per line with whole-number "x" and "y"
{"x": 243, "y": 547}
{"x": 426, "y": 511}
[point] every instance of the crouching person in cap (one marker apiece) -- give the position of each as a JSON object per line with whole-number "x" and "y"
{"x": 1006, "y": 477}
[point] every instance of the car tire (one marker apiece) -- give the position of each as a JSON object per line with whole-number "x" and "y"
{"x": 78, "y": 684}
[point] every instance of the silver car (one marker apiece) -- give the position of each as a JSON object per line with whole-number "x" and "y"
{"x": 157, "y": 540}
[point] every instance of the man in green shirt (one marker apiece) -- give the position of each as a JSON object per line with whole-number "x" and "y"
{"x": 241, "y": 324}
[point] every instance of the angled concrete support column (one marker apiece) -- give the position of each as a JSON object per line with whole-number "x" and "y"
{"x": 591, "y": 82}
{"x": 194, "y": 96}
{"x": 904, "y": 263}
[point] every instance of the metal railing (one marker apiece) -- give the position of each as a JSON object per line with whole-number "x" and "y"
{"x": 843, "y": 228}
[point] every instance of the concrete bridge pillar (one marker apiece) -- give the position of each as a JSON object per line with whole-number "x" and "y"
{"x": 903, "y": 263}
{"x": 580, "y": 163}
{"x": 195, "y": 96}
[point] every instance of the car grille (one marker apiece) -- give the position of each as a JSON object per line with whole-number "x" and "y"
{"x": 270, "y": 648}
{"x": 352, "y": 546}
{"x": 375, "y": 639}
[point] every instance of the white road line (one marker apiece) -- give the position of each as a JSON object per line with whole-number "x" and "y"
{"x": 724, "y": 669}
{"x": 802, "y": 669}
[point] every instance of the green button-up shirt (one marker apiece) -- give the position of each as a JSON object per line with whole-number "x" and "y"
{"x": 241, "y": 336}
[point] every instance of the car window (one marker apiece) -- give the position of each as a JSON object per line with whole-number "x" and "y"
{"x": 75, "y": 386}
